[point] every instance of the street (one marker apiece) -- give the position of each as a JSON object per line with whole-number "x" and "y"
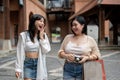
{"x": 54, "y": 65}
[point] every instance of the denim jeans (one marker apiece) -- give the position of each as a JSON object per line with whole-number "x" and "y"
{"x": 30, "y": 68}
{"x": 72, "y": 71}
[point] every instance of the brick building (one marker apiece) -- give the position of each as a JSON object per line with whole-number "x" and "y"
{"x": 14, "y": 18}
{"x": 103, "y": 13}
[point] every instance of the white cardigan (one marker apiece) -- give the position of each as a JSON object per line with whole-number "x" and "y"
{"x": 43, "y": 49}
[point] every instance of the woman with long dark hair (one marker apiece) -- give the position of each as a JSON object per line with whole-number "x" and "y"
{"x": 32, "y": 47}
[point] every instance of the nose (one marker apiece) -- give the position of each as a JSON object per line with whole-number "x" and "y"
{"x": 42, "y": 23}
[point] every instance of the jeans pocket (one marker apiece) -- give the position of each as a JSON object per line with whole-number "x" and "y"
{"x": 28, "y": 63}
{"x": 68, "y": 67}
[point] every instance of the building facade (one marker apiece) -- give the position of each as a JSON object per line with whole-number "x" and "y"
{"x": 14, "y": 18}
{"x": 15, "y": 14}
{"x": 103, "y": 13}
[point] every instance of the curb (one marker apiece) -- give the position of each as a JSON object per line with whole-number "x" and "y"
{"x": 4, "y": 53}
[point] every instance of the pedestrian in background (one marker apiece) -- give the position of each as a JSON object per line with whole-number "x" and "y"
{"x": 33, "y": 44}
{"x": 76, "y": 49}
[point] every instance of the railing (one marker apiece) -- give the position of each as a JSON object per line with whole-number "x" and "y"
{"x": 58, "y": 4}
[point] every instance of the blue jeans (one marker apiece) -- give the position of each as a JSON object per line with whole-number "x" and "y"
{"x": 72, "y": 71}
{"x": 30, "y": 68}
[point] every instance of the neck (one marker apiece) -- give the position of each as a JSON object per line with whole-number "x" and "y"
{"x": 79, "y": 35}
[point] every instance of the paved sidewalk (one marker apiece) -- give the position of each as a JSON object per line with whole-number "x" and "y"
{"x": 55, "y": 64}
{"x": 4, "y": 53}
{"x": 55, "y": 73}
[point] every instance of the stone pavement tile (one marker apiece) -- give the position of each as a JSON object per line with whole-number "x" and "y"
{"x": 4, "y": 53}
{"x": 7, "y": 74}
{"x": 55, "y": 64}
{"x": 112, "y": 69}
{"x": 115, "y": 57}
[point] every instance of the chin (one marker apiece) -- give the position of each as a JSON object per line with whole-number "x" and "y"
{"x": 77, "y": 33}
{"x": 39, "y": 29}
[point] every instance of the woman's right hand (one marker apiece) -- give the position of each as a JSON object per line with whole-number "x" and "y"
{"x": 41, "y": 34}
{"x": 70, "y": 57}
{"x": 17, "y": 74}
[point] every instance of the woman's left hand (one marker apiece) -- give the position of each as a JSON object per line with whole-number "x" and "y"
{"x": 42, "y": 33}
{"x": 84, "y": 59}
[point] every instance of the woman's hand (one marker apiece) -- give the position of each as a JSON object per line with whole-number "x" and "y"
{"x": 42, "y": 31}
{"x": 17, "y": 74}
{"x": 70, "y": 57}
{"x": 84, "y": 59}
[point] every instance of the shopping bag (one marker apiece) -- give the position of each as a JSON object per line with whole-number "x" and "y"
{"x": 94, "y": 70}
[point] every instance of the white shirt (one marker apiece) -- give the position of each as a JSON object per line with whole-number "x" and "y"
{"x": 29, "y": 45}
{"x": 41, "y": 65}
{"x": 77, "y": 49}
{"x": 90, "y": 48}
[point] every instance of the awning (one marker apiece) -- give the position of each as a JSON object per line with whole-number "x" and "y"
{"x": 85, "y": 8}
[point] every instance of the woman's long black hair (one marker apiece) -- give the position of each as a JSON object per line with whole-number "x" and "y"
{"x": 31, "y": 26}
{"x": 82, "y": 21}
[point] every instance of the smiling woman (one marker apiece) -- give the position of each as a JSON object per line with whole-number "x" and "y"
{"x": 32, "y": 47}
{"x": 77, "y": 49}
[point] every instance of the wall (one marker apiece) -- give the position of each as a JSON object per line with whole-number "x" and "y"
{"x": 35, "y": 6}
{"x": 18, "y": 15}
{"x": 79, "y": 4}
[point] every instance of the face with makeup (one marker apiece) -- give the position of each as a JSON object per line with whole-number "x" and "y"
{"x": 77, "y": 27}
{"x": 40, "y": 24}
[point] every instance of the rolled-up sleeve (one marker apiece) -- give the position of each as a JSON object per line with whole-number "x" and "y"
{"x": 64, "y": 43}
{"x": 95, "y": 53}
{"x": 45, "y": 44}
